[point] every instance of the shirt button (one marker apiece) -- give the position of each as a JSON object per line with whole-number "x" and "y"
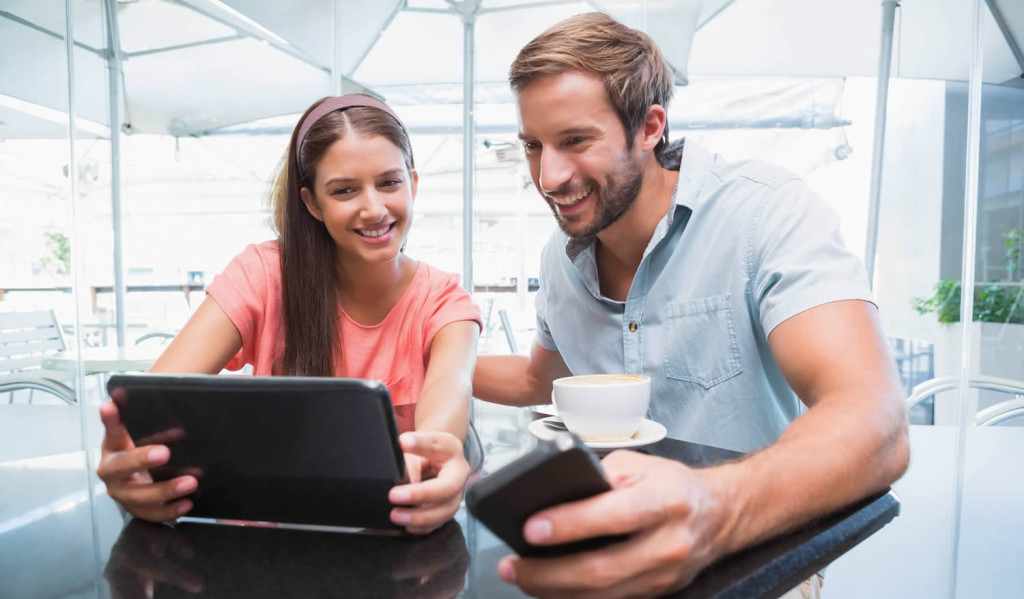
{"x": 633, "y": 327}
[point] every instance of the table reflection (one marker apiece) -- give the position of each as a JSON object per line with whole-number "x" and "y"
{"x": 196, "y": 560}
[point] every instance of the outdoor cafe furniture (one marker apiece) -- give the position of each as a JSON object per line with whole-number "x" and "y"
{"x": 51, "y": 553}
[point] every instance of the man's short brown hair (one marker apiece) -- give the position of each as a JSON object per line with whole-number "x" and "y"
{"x": 627, "y": 61}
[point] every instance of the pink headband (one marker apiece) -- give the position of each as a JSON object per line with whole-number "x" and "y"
{"x": 337, "y": 103}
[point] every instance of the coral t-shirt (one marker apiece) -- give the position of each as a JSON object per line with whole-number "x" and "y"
{"x": 394, "y": 351}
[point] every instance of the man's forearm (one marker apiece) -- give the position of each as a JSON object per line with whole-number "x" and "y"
{"x": 507, "y": 380}
{"x": 831, "y": 456}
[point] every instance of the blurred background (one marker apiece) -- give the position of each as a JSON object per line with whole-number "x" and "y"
{"x": 138, "y": 139}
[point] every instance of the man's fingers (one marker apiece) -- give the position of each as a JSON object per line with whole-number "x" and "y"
{"x": 639, "y": 502}
{"x": 122, "y": 464}
{"x": 589, "y": 571}
{"x": 156, "y": 493}
{"x": 609, "y": 513}
{"x": 115, "y": 436}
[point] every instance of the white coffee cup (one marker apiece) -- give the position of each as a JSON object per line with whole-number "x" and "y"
{"x": 602, "y": 407}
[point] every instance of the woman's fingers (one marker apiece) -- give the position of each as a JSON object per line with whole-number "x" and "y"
{"x": 426, "y": 518}
{"x": 157, "y": 493}
{"x": 436, "y": 447}
{"x": 163, "y": 513}
{"x": 121, "y": 465}
{"x": 115, "y": 435}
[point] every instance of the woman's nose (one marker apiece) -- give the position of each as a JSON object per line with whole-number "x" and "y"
{"x": 374, "y": 208}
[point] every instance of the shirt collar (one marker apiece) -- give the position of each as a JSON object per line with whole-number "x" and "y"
{"x": 693, "y": 166}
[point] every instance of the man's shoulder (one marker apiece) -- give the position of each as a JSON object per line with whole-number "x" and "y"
{"x": 756, "y": 172}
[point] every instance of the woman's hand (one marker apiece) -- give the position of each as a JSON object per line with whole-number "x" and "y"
{"x": 125, "y": 470}
{"x": 437, "y": 472}
{"x": 149, "y": 554}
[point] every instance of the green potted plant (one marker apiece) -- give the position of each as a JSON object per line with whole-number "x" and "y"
{"x": 997, "y": 301}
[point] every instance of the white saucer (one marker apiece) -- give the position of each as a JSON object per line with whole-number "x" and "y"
{"x": 548, "y": 409}
{"x": 650, "y": 432}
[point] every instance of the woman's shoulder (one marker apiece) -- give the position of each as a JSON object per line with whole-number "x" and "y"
{"x": 436, "y": 280}
{"x": 258, "y": 262}
{"x": 259, "y": 254}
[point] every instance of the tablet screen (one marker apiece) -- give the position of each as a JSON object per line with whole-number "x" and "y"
{"x": 273, "y": 449}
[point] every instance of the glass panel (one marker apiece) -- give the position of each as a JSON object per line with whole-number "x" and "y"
{"x": 919, "y": 224}
{"x": 993, "y": 485}
{"x": 46, "y": 540}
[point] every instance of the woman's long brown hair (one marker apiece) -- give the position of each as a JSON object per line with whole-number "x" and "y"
{"x": 309, "y": 273}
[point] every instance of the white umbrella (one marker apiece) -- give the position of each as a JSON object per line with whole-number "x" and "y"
{"x": 186, "y": 67}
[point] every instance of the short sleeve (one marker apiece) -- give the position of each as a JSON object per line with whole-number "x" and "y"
{"x": 242, "y": 292}
{"x": 544, "y": 338}
{"x": 450, "y": 303}
{"x": 797, "y": 257}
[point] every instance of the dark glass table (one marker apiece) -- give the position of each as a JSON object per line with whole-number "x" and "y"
{"x": 57, "y": 540}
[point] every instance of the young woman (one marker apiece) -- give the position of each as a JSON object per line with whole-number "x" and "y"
{"x": 334, "y": 295}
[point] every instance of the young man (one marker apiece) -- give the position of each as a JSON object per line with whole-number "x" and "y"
{"x": 728, "y": 285}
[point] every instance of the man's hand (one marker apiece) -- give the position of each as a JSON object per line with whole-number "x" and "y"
{"x": 437, "y": 478}
{"x": 673, "y": 513}
{"x": 125, "y": 470}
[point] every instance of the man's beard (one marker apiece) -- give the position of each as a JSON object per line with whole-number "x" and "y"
{"x": 620, "y": 190}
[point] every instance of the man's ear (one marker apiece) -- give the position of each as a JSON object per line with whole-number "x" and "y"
{"x": 310, "y": 202}
{"x": 654, "y": 125}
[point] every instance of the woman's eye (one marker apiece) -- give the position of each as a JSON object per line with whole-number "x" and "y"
{"x": 531, "y": 145}
{"x": 342, "y": 191}
{"x": 391, "y": 182}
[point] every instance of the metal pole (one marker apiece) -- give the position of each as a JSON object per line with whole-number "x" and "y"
{"x": 468, "y": 163}
{"x": 84, "y": 411}
{"x": 881, "y": 98}
{"x": 968, "y": 399}
{"x": 336, "y": 67}
{"x": 114, "y": 100}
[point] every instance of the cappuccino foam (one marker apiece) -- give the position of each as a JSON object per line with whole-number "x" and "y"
{"x": 603, "y": 379}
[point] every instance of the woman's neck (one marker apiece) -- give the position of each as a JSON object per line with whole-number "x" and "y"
{"x": 368, "y": 291}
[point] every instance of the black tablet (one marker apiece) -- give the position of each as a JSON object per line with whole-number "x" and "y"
{"x": 291, "y": 450}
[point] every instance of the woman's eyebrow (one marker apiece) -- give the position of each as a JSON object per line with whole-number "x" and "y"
{"x": 388, "y": 173}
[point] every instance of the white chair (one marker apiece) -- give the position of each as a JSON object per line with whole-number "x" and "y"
{"x": 990, "y": 416}
{"x": 26, "y": 339}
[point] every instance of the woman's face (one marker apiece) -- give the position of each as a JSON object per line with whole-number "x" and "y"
{"x": 363, "y": 194}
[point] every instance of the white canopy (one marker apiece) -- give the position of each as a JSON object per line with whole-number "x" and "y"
{"x": 190, "y": 66}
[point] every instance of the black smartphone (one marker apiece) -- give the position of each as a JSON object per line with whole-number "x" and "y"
{"x": 558, "y": 471}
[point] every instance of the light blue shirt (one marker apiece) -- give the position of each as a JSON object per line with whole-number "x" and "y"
{"x": 744, "y": 247}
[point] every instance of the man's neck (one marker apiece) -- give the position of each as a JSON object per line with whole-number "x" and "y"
{"x": 620, "y": 247}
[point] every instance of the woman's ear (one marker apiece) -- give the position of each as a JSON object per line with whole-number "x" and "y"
{"x": 310, "y": 202}
{"x": 654, "y": 125}
{"x": 415, "y": 183}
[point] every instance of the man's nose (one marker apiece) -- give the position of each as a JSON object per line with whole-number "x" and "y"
{"x": 555, "y": 170}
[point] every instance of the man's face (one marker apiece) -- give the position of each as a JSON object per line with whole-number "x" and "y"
{"x": 576, "y": 148}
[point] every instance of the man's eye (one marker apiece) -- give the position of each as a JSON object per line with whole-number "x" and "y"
{"x": 531, "y": 145}
{"x": 572, "y": 141}
{"x": 391, "y": 182}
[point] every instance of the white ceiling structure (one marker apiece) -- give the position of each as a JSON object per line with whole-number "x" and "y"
{"x": 190, "y": 66}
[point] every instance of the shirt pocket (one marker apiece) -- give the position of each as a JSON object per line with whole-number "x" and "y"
{"x": 700, "y": 344}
